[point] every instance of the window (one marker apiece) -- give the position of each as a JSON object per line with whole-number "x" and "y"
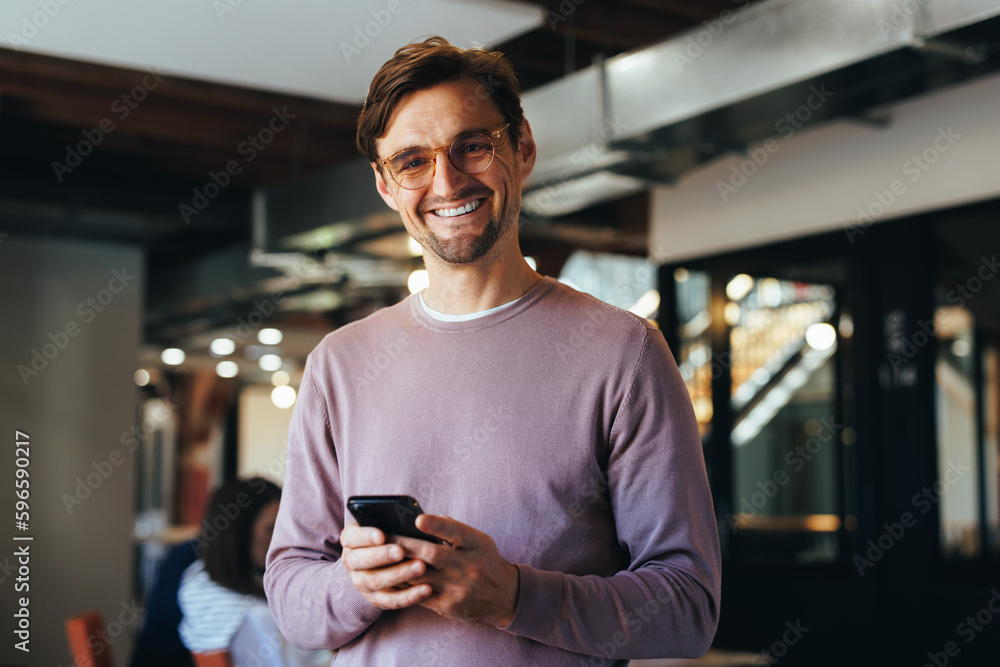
{"x": 966, "y": 331}
{"x": 786, "y": 433}
{"x": 777, "y": 343}
{"x": 696, "y": 362}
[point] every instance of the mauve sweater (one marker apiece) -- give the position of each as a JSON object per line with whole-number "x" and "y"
{"x": 560, "y": 427}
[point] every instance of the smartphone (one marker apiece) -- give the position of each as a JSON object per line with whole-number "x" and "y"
{"x": 393, "y": 515}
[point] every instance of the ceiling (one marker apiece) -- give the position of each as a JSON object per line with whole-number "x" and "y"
{"x": 115, "y": 121}
{"x": 313, "y": 48}
{"x": 180, "y": 86}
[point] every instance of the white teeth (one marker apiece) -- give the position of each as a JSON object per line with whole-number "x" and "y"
{"x": 461, "y": 210}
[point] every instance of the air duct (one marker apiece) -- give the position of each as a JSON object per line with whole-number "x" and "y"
{"x": 650, "y": 115}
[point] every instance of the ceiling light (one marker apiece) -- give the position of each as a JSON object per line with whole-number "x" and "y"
{"x": 220, "y": 347}
{"x": 227, "y": 369}
{"x": 415, "y": 248}
{"x": 418, "y": 280}
{"x": 280, "y": 378}
{"x": 270, "y": 362}
{"x": 283, "y": 397}
{"x": 141, "y": 377}
{"x": 172, "y": 356}
{"x": 269, "y": 336}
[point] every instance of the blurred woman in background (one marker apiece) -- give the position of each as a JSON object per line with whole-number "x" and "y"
{"x": 222, "y": 595}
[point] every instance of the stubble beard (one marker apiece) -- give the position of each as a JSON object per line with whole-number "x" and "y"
{"x": 463, "y": 250}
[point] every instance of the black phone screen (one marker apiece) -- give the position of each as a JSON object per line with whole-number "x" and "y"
{"x": 393, "y": 515}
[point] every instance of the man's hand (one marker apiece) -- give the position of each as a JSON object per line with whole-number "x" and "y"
{"x": 465, "y": 579}
{"x": 379, "y": 570}
{"x": 470, "y": 580}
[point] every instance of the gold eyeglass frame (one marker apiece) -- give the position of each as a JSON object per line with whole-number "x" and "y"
{"x": 494, "y": 136}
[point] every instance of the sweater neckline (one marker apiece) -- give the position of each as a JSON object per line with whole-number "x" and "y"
{"x": 524, "y": 302}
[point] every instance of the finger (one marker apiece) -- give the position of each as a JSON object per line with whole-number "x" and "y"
{"x": 399, "y": 599}
{"x": 434, "y": 578}
{"x": 368, "y": 558}
{"x": 387, "y": 578}
{"x": 454, "y": 532}
{"x": 418, "y": 548}
{"x": 354, "y": 536}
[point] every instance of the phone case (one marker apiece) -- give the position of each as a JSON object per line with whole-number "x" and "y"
{"x": 393, "y": 515}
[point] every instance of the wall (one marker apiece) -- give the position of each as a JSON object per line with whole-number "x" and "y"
{"x": 937, "y": 151}
{"x": 263, "y": 435}
{"x": 80, "y": 305}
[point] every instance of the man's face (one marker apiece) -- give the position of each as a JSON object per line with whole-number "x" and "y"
{"x": 435, "y": 117}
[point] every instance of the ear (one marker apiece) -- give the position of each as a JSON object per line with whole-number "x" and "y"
{"x": 526, "y": 151}
{"x": 383, "y": 188}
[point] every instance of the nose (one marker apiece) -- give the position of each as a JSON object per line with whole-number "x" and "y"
{"x": 447, "y": 179}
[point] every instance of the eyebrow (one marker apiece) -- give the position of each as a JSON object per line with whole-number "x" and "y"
{"x": 474, "y": 130}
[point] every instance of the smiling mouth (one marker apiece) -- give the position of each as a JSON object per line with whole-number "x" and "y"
{"x": 461, "y": 210}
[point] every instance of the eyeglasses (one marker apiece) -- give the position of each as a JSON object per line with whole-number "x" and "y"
{"x": 414, "y": 168}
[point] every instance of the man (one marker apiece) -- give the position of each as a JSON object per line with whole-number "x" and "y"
{"x": 548, "y": 435}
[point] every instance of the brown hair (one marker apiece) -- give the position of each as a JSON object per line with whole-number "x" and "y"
{"x": 226, "y": 531}
{"x": 422, "y": 65}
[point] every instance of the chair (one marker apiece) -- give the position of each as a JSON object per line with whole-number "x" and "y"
{"x": 215, "y": 659}
{"x": 85, "y": 642}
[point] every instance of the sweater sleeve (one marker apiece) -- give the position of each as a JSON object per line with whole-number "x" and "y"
{"x": 311, "y": 596}
{"x": 666, "y": 602}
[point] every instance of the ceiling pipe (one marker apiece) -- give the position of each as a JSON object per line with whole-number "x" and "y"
{"x": 649, "y": 116}
{"x": 611, "y": 124}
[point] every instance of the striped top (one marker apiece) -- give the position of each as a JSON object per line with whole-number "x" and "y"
{"x": 217, "y": 618}
{"x": 212, "y": 613}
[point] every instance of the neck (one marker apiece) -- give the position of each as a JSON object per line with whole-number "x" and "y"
{"x": 458, "y": 289}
